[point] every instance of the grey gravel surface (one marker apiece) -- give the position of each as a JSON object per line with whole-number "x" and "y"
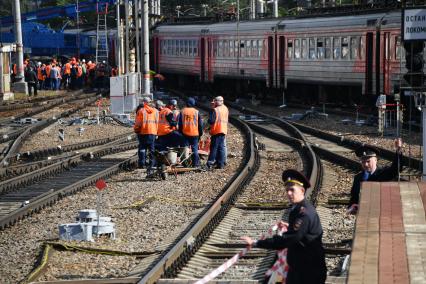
{"x": 138, "y": 229}
{"x": 48, "y": 137}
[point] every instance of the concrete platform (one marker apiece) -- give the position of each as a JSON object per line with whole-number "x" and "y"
{"x": 390, "y": 234}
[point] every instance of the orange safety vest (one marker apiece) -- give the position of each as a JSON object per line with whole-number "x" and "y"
{"x": 220, "y": 125}
{"x": 67, "y": 69}
{"x": 164, "y": 127}
{"x": 48, "y": 67}
{"x": 190, "y": 121}
{"x": 39, "y": 74}
{"x": 146, "y": 121}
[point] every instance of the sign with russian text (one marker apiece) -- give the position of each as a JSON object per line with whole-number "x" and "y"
{"x": 414, "y": 24}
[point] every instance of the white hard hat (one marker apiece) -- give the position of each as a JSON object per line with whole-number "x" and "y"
{"x": 38, "y": 63}
{"x": 83, "y": 60}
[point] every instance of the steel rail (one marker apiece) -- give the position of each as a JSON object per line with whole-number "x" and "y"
{"x": 15, "y": 183}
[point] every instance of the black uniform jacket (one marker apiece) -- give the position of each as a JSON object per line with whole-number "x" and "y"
{"x": 303, "y": 239}
{"x": 380, "y": 174}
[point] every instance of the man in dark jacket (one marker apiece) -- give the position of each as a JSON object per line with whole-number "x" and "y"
{"x": 371, "y": 172}
{"x": 305, "y": 254}
{"x": 31, "y": 79}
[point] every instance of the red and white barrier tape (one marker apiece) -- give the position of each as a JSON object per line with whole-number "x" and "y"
{"x": 280, "y": 266}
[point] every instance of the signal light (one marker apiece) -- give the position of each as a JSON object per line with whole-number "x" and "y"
{"x": 414, "y": 63}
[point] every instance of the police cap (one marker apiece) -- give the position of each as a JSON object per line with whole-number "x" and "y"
{"x": 366, "y": 152}
{"x": 292, "y": 176}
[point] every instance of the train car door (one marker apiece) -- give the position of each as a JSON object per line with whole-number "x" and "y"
{"x": 203, "y": 59}
{"x": 281, "y": 56}
{"x": 369, "y": 63}
{"x": 386, "y": 63}
{"x": 378, "y": 58}
{"x": 270, "y": 61}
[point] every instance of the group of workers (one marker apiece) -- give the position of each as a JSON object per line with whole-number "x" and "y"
{"x": 164, "y": 126}
{"x": 73, "y": 74}
{"x": 303, "y": 232}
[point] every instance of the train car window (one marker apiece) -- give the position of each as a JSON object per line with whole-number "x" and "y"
{"x": 231, "y": 48}
{"x": 320, "y": 48}
{"x": 236, "y": 48}
{"x": 397, "y": 47}
{"x": 260, "y": 48}
{"x": 254, "y": 48}
{"x": 220, "y": 49}
{"x": 242, "y": 49}
{"x": 297, "y": 53}
{"x": 196, "y": 48}
{"x": 327, "y": 50}
{"x": 336, "y": 48}
{"x": 312, "y": 47}
{"x": 304, "y": 48}
{"x": 215, "y": 48}
{"x": 182, "y": 47}
{"x": 190, "y": 48}
{"x": 175, "y": 47}
{"x": 345, "y": 47}
{"x": 361, "y": 47}
{"x": 290, "y": 48}
{"x": 226, "y": 48}
{"x": 264, "y": 49}
{"x": 248, "y": 49}
{"x": 186, "y": 51}
{"x": 354, "y": 47}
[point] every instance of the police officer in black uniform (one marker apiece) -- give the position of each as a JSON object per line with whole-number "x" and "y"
{"x": 305, "y": 255}
{"x": 370, "y": 171}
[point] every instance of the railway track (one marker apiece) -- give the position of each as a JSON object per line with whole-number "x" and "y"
{"x": 21, "y": 196}
{"x": 34, "y": 160}
{"x": 318, "y": 137}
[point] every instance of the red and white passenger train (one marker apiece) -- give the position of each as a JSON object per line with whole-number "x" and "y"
{"x": 358, "y": 54}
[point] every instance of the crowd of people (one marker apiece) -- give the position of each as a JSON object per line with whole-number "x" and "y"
{"x": 72, "y": 74}
{"x": 162, "y": 126}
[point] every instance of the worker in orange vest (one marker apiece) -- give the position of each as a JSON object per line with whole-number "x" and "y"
{"x": 167, "y": 125}
{"x": 218, "y": 120}
{"x": 47, "y": 81}
{"x": 146, "y": 127}
{"x": 40, "y": 75}
{"x": 191, "y": 126}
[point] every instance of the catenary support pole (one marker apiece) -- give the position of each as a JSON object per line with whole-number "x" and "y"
{"x": 137, "y": 25}
{"x": 20, "y": 85}
{"x": 118, "y": 41}
{"x": 147, "y": 83}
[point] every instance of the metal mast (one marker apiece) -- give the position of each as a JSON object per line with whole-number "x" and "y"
{"x": 101, "y": 33}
